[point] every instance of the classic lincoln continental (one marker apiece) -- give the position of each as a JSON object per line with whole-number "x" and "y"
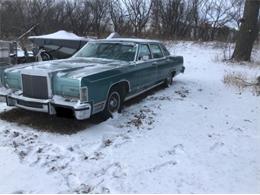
{"x": 97, "y": 79}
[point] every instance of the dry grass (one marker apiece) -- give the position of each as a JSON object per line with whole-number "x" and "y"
{"x": 242, "y": 82}
{"x": 225, "y": 50}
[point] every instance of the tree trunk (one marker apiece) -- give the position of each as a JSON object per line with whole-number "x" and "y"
{"x": 248, "y": 31}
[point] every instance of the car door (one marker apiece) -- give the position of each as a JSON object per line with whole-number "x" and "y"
{"x": 145, "y": 71}
{"x": 159, "y": 60}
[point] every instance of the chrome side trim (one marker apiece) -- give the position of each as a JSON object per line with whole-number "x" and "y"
{"x": 150, "y": 60}
{"x": 139, "y": 93}
{"x": 103, "y": 103}
{"x": 98, "y": 107}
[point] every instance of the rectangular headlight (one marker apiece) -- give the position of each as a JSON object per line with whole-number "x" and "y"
{"x": 84, "y": 94}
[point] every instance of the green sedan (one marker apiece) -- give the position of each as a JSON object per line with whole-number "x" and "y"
{"x": 97, "y": 79}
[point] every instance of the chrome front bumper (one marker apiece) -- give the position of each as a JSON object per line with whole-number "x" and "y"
{"x": 81, "y": 110}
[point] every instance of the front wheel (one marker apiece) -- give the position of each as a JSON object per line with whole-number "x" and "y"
{"x": 113, "y": 104}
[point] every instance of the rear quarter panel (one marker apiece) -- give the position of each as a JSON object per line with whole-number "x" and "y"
{"x": 176, "y": 63}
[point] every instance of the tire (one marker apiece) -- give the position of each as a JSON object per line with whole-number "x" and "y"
{"x": 45, "y": 56}
{"x": 168, "y": 80}
{"x": 114, "y": 102}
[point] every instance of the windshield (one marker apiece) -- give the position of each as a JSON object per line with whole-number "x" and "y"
{"x": 115, "y": 51}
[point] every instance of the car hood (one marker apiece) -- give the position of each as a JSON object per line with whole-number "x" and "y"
{"x": 74, "y": 68}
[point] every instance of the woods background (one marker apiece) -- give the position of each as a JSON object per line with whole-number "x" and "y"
{"x": 204, "y": 20}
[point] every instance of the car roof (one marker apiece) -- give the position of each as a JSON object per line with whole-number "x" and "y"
{"x": 133, "y": 40}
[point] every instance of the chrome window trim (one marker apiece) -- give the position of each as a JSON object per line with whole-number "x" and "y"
{"x": 136, "y": 52}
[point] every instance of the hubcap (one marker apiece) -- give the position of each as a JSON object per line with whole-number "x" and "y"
{"x": 114, "y": 102}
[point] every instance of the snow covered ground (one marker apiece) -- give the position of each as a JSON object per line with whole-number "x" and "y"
{"x": 198, "y": 136}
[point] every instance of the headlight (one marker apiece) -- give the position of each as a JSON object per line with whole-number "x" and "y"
{"x": 84, "y": 94}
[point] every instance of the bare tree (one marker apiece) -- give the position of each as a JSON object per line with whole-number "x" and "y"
{"x": 190, "y": 19}
{"x": 99, "y": 11}
{"x": 248, "y": 31}
{"x": 13, "y": 18}
{"x": 193, "y": 17}
{"x": 119, "y": 17}
{"x": 77, "y": 16}
{"x": 217, "y": 14}
{"x": 38, "y": 14}
{"x": 155, "y": 19}
{"x": 138, "y": 12}
{"x": 199, "y": 19}
{"x": 237, "y": 12}
{"x": 171, "y": 13}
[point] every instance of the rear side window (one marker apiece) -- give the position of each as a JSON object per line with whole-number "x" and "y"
{"x": 144, "y": 51}
{"x": 165, "y": 51}
{"x": 156, "y": 51}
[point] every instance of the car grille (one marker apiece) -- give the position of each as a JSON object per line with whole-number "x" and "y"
{"x": 35, "y": 86}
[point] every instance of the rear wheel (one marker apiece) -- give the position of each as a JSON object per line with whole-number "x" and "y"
{"x": 168, "y": 80}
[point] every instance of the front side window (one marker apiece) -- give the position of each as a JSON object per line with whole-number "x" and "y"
{"x": 156, "y": 51}
{"x": 144, "y": 53}
{"x": 115, "y": 51}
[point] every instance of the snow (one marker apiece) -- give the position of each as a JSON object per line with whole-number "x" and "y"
{"x": 20, "y": 53}
{"x": 18, "y": 172}
{"x": 4, "y": 91}
{"x": 198, "y": 136}
{"x": 63, "y": 35}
